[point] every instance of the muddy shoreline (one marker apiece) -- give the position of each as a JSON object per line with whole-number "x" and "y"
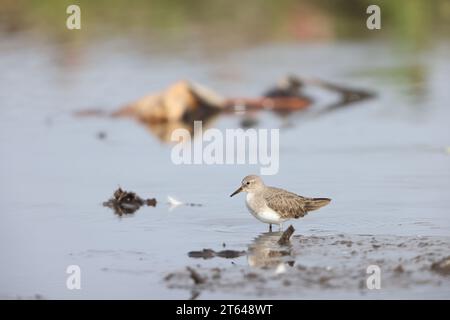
{"x": 325, "y": 266}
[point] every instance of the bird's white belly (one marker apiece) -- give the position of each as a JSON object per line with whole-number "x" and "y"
{"x": 262, "y": 212}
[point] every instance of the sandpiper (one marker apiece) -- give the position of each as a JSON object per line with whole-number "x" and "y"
{"x": 273, "y": 205}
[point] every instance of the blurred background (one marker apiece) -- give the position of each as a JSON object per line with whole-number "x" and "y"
{"x": 221, "y": 25}
{"x": 384, "y": 161}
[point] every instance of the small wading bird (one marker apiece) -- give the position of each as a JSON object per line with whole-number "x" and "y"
{"x": 273, "y": 205}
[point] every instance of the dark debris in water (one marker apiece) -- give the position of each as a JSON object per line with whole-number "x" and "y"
{"x": 209, "y": 254}
{"x": 125, "y": 202}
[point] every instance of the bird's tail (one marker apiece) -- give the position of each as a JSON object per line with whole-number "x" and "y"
{"x": 316, "y": 203}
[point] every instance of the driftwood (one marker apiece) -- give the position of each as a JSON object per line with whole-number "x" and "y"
{"x": 187, "y": 101}
{"x": 284, "y": 239}
{"x": 347, "y": 95}
{"x": 269, "y": 103}
{"x": 181, "y": 101}
{"x": 184, "y": 101}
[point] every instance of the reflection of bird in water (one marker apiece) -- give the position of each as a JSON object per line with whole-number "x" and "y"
{"x": 265, "y": 252}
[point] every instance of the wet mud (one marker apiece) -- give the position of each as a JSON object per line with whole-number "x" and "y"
{"x": 323, "y": 266}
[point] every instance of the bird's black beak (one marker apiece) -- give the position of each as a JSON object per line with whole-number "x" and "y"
{"x": 236, "y": 192}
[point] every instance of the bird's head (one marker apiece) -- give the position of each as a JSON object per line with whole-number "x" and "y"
{"x": 250, "y": 183}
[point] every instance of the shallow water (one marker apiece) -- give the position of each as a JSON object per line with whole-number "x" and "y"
{"x": 384, "y": 162}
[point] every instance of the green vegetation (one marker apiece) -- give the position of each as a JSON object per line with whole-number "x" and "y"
{"x": 409, "y": 21}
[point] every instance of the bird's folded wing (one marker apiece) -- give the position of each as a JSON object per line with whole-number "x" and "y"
{"x": 287, "y": 204}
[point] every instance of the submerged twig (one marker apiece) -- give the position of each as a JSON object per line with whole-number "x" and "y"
{"x": 284, "y": 239}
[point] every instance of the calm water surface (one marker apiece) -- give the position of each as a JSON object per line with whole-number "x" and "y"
{"x": 385, "y": 162}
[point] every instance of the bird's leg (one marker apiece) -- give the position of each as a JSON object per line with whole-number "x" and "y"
{"x": 270, "y": 227}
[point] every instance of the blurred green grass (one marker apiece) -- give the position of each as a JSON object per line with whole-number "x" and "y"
{"x": 410, "y": 22}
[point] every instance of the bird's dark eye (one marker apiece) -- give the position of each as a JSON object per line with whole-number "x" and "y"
{"x": 248, "y": 182}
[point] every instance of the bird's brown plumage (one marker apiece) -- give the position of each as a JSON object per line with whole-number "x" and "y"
{"x": 290, "y": 205}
